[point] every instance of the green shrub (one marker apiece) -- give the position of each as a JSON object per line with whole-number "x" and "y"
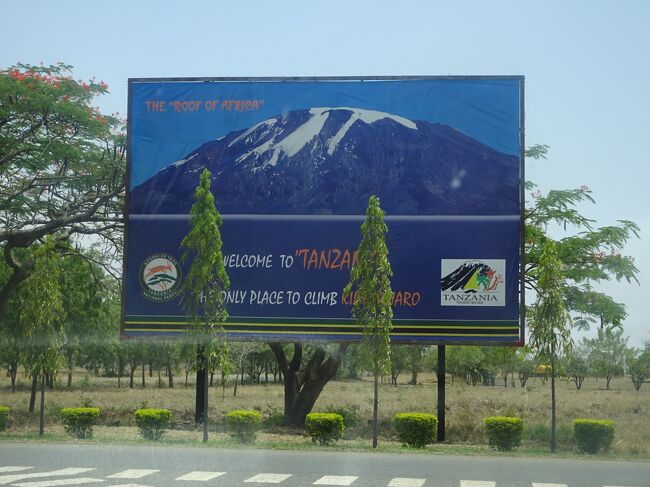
{"x": 504, "y": 432}
{"x": 4, "y": 417}
{"x": 593, "y": 434}
{"x": 152, "y": 423}
{"x": 79, "y": 422}
{"x": 351, "y": 414}
{"x": 416, "y": 429}
{"x": 325, "y": 428}
{"x": 243, "y": 425}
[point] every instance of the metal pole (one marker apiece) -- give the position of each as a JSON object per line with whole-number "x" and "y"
{"x": 441, "y": 393}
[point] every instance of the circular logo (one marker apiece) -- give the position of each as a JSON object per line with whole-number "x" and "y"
{"x": 160, "y": 277}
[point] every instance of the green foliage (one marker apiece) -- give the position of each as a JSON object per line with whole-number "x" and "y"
{"x": 638, "y": 368}
{"x": 504, "y": 433}
{"x": 576, "y": 366}
{"x": 152, "y": 423}
{"x": 373, "y": 296}
{"x": 465, "y": 362}
{"x": 351, "y": 414}
{"x": 207, "y": 276}
{"x": 61, "y": 166}
{"x": 243, "y": 425}
{"x": 4, "y": 417}
{"x": 325, "y": 428}
{"x": 416, "y": 429}
{"x": 593, "y": 435}
{"x": 606, "y": 353}
{"x": 79, "y": 422}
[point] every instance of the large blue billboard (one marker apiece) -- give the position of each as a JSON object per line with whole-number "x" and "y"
{"x": 293, "y": 163}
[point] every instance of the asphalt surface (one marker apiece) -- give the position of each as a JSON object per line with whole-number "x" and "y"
{"x": 64, "y": 464}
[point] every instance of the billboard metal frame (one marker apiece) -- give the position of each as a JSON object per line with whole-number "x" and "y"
{"x": 236, "y": 79}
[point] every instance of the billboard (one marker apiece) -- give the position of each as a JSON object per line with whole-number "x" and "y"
{"x": 293, "y": 162}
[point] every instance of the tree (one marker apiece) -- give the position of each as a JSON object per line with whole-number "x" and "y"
{"x": 577, "y": 366}
{"x": 549, "y": 321}
{"x": 61, "y": 167}
{"x": 41, "y": 307}
{"x": 465, "y": 362}
{"x": 206, "y": 279}
{"x": 372, "y": 305}
{"x": 606, "y": 354}
{"x": 588, "y": 256}
{"x": 639, "y": 368}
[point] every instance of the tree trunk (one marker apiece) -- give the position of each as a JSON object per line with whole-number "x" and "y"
{"x": 143, "y": 382}
{"x": 608, "y": 379}
{"x": 13, "y": 370}
{"x": 375, "y": 408}
{"x": 69, "y": 385}
{"x": 302, "y": 386}
{"x": 131, "y": 376}
{"x": 41, "y": 417}
{"x": 205, "y": 404}
{"x": 170, "y": 376}
{"x": 414, "y": 377}
{"x": 553, "y": 418}
{"x": 234, "y": 390}
{"x": 201, "y": 385}
{"x": 32, "y": 397}
{"x": 119, "y": 382}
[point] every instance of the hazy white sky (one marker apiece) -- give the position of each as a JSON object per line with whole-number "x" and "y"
{"x": 586, "y": 67}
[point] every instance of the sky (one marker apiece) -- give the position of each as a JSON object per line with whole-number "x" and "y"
{"x": 585, "y": 62}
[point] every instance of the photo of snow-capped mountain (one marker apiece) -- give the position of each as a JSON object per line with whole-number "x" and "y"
{"x": 329, "y": 160}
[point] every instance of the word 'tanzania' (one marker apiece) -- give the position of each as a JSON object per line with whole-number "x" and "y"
{"x": 336, "y": 259}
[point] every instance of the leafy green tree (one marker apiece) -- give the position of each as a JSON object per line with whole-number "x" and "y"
{"x": 372, "y": 307}
{"x": 589, "y": 254}
{"x": 61, "y": 167}
{"x": 41, "y": 308}
{"x": 206, "y": 278}
{"x": 576, "y": 366}
{"x": 502, "y": 360}
{"x": 638, "y": 367}
{"x": 414, "y": 359}
{"x": 465, "y": 362}
{"x": 398, "y": 361}
{"x": 606, "y": 354}
{"x": 549, "y": 320}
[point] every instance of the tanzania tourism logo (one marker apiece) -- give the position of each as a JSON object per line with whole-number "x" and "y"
{"x": 472, "y": 282}
{"x": 160, "y": 277}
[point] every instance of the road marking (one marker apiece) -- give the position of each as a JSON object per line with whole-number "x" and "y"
{"x": 269, "y": 478}
{"x": 406, "y": 482}
{"x": 201, "y": 476}
{"x": 535, "y": 484}
{"x": 132, "y": 473}
{"x": 52, "y": 483}
{"x": 7, "y": 479}
{"x": 14, "y": 469}
{"x": 336, "y": 480}
{"x": 128, "y": 485}
{"x": 479, "y": 483}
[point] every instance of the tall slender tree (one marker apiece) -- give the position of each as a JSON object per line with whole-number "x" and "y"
{"x": 206, "y": 279}
{"x": 370, "y": 280}
{"x": 549, "y": 320}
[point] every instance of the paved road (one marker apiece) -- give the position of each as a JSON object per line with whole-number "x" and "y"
{"x": 50, "y": 465}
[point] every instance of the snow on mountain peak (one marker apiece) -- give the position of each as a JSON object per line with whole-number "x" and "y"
{"x": 305, "y": 133}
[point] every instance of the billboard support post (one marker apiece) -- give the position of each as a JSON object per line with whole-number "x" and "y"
{"x": 441, "y": 393}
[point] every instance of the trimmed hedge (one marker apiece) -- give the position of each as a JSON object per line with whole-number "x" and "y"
{"x": 79, "y": 422}
{"x": 504, "y": 432}
{"x": 593, "y": 435}
{"x": 416, "y": 429}
{"x": 243, "y": 425}
{"x": 4, "y": 417}
{"x": 152, "y": 423}
{"x": 325, "y": 428}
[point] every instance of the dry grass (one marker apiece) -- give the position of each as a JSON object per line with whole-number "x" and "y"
{"x": 466, "y": 408}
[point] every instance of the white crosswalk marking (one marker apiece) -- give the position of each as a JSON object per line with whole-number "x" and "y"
{"x": 132, "y": 473}
{"x": 128, "y": 485}
{"x": 477, "y": 483}
{"x": 535, "y": 484}
{"x": 336, "y": 480}
{"x": 53, "y": 483}
{"x": 13, "y": 469}
{"x": 269, "y": 478}
{"x": 8, "y": 479}
{"x": 200, "y": 476}
{"x": 406, "y": 482}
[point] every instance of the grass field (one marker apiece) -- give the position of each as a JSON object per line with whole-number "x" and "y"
{"x": 466, "y": 408}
